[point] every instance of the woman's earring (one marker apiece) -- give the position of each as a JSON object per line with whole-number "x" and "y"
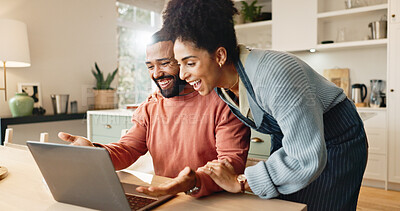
{"x": 220, "y": 65}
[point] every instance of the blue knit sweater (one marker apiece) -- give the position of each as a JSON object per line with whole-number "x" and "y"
{"x": 296, "y": 97}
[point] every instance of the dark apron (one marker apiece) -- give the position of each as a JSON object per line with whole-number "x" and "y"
{"x": 338, "y": 186}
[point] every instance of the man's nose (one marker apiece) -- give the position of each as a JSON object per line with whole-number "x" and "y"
{"x": 157, "y": 72}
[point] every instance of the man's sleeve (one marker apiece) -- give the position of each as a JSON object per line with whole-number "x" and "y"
{"x": 132, "y": 145}
{"x": 232, "y": 143}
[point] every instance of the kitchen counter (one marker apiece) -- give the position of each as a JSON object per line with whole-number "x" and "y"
{"x": 113, "y": 112}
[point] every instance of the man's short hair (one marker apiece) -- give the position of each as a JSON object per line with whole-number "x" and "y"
{"x": 160, "y": 36}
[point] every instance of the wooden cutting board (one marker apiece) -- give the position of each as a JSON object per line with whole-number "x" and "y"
{"x": 340, "y": 77}
{"x": 3, "y": 172}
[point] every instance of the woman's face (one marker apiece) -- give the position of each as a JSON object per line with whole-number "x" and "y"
{"x": 197, "y": 67}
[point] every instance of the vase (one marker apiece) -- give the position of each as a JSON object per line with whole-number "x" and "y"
{"x": 21, "y": 105}
{"x": 104, "y": 99}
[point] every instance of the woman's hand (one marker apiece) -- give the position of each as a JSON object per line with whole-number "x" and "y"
{"x": 75, "y": 140}
{"x": 155, "y": 96}
{"x": 223, "y": 174}
{"x": 185, "y": 181}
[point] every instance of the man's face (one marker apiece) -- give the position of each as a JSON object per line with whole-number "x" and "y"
{"x": 164, "y": 69}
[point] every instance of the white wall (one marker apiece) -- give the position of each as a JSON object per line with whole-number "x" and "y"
{"x": 364, "y": 64}
{"x": 65, "y": 37}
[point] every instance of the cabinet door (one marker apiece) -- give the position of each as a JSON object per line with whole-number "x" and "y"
{"x": 394, "y": 102}
{"x": 260, "y": 145}
{"x": 107, "y": 128}
{"x": 375, "y": 167}
{"x": 394, "y": 11}
{"x": 295, "y": 24}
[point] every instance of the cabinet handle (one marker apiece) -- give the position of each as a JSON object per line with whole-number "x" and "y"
{"x": 107, "y": 126}
{"x": 256, "y": 140}
{"x": 393, "y": 15}
{"x": 391, "y": 90}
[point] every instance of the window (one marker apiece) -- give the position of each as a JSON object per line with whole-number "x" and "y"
{"x": 135, "y": 27}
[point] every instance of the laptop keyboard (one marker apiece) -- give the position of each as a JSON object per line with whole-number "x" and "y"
{"x": 137, "y": 202}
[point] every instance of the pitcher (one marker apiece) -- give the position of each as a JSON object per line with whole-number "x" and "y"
{"x": 376, "y": 90}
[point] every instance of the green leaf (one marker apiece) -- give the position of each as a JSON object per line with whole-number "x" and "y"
{"x": 100, "y": 82}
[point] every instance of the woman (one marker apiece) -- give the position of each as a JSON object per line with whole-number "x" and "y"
{"x": 319, "y": 147}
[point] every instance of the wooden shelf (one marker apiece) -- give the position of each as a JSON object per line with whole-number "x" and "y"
{"x": 253, "y": 24}
{"x": 352, "y": 45}
{"x": 353, "y": 11}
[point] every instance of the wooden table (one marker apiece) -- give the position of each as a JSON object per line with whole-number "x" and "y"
{"x": 24, "y": 189}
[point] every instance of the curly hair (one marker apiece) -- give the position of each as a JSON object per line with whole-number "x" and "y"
{"x": 206, "y": 23}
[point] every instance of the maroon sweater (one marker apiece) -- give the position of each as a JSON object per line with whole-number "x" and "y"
{"x": 184, "y": 131}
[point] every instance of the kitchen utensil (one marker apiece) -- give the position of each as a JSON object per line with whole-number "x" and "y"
{"x": 60, "y": 103}
{"x": 74, "y": 107}
{"x": 376, "y": 90}
{"x": 378, "y": 29}
{"x": 358, "y": 94}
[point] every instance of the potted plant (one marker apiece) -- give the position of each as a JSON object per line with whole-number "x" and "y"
{"x": 250, "y": 11}
{"x": 103, "y": 94}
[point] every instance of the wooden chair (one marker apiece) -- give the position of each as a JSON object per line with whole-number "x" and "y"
{"x": 44, "y": 137}
{"x": 143, "y": 163}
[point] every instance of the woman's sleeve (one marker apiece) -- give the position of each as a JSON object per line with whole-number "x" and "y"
{"x": 284, "y": 91}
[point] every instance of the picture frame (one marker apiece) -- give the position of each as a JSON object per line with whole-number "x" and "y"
{"x": 33, "y": 90}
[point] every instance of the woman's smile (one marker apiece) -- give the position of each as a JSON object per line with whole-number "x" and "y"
{"x": 196, "y": 84}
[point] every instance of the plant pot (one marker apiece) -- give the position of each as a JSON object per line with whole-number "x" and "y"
{"x": 21, "y": 105}
{"x": 104, "y": 99}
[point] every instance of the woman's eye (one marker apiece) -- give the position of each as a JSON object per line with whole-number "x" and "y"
{"x": 191, "y": 64}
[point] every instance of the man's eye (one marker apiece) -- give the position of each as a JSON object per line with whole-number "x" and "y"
{"x": 150, "y": 67}
{"x": 165, "y": 63}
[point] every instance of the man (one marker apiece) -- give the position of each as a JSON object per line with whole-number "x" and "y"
{"x": 183, "y": 130}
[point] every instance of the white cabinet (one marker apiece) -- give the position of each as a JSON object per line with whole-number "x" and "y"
{"x": 348, "y": 28}
{"x": 376, "y": 130}
{"x": 394, "y": 12}
{"x": 294, "y": 25}
{"x": 394, "y": 100}
{"x": 255, "y": 34}
{"x": 105, "y": 126}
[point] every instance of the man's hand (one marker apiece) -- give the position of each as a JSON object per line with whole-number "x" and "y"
{"x": 75, "y": 140}
{"x": 185, "y": 181}
{"x": 223, "y": 174}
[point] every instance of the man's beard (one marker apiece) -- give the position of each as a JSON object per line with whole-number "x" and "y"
{"x": 177, "y": 87}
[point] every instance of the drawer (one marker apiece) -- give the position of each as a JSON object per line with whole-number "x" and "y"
{"x": 376, "y": 167}
{"x": 108, "y": 125}
{"x": 105, "y": 139}
{"x": 261, "y": 149}
{"x": 377, "y": 119}
{"x": 377, "y": 140}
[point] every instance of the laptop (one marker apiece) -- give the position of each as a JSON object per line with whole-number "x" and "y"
{"x": 85, "y": 176}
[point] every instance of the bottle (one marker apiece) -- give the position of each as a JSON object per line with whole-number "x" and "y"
{"x": 21, "y": 105}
